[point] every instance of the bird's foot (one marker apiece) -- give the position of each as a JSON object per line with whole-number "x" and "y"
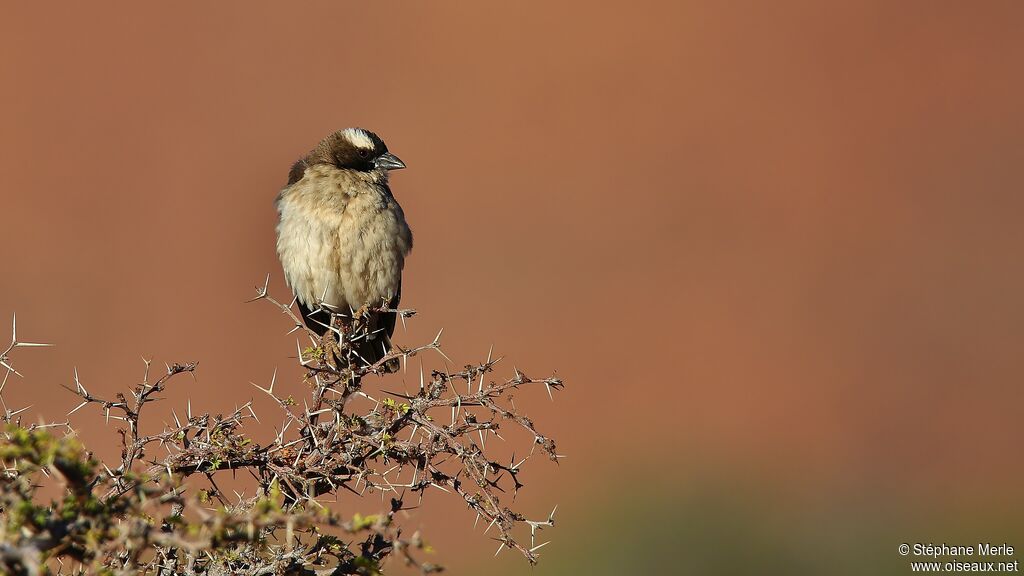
{"x": 332, "y": 351}
{"x": 392, "y": 366}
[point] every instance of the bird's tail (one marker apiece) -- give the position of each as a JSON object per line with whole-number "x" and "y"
{"x": 377, "y": 343}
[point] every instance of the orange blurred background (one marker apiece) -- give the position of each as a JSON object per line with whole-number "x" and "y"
{"x": 774, "y": 249}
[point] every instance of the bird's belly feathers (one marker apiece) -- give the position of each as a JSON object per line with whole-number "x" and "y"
{"x": 345, "y": 257}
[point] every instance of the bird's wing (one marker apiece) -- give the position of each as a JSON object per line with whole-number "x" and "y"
{"x": 297, "y": 171}
{"x": 316, "y": 320}
{"x": 389, "y": 318}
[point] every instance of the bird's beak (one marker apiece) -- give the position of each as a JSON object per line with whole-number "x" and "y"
{"x": 388, "y": 161}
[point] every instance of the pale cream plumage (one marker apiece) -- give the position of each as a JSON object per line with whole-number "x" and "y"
{"x": 341, "y": 239}
{"x": 341, "y": 236}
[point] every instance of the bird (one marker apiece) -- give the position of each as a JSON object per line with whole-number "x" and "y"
{"x": 342, "y": 237}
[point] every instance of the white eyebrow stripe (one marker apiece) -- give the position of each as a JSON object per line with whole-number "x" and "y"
{"x": 358, "y": 138}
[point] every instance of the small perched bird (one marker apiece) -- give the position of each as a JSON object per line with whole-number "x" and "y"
{"x": 341, "y": 236}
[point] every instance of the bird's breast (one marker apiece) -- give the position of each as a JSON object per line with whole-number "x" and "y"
{"x": 345, "y": 244}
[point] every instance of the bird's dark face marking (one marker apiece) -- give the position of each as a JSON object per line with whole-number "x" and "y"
{"x": 349, "y": 149}
{"x": 356, "y": 149}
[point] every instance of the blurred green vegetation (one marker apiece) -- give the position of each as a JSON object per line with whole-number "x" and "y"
{"x": 736, "y": 528}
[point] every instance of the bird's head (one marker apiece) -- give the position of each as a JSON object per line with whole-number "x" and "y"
{"x": 353, "y": 149}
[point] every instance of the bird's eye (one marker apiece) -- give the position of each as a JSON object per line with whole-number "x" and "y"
{"x": 363, "y": 153}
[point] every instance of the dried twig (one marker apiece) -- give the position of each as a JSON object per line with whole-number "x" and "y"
{"x": 160, "y": 510}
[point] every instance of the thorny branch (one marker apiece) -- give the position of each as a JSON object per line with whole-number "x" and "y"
{"x": 160, "y": 510}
